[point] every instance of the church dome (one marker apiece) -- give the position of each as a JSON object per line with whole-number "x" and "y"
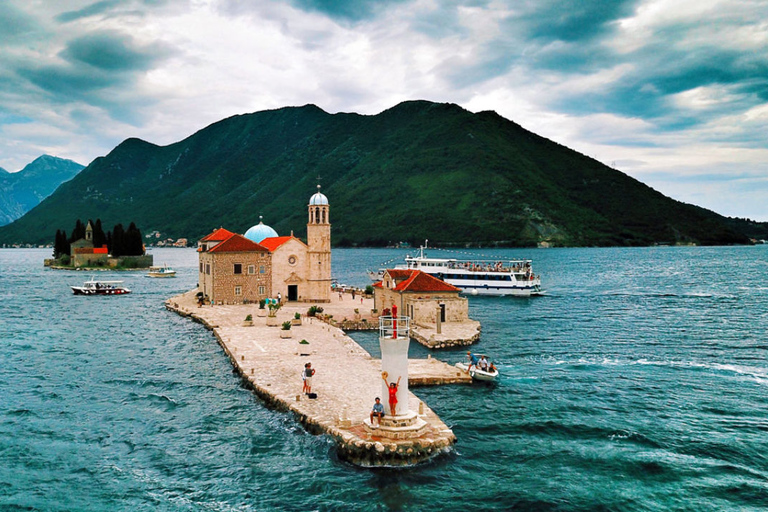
{"x": 318, "y": 198}
{"x": 259, "y": 232}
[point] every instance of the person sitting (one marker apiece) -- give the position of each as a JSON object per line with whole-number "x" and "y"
{"x": 483, "y": 363}
{"x": 378, "y": 411}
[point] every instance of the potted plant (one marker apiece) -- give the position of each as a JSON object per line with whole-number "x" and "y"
{"x": 314, "y": 310}
{"x": 262, "y": 311}
{"x": 296, "y": 318}
{"x": 374, "y": 312}
{"x": 248, "y": 321}
{"x": 357, "y": 315}
{"x": 272, "y": 315}
{"x": 285, "y": 332}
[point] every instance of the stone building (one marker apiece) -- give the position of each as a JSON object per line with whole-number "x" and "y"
{"x": 233, "y": 269}
{"x": 420, "y": 296}
{"x": 83, "y": 254}
{"x": 295, "y": 270}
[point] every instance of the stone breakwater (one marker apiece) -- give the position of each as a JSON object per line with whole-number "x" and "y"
{"x": 347, "y": 381}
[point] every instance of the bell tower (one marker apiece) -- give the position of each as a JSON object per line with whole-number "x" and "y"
{"x": 319, "y": 248}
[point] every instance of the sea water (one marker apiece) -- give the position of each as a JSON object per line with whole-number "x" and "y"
{"x": 638, "y": 382}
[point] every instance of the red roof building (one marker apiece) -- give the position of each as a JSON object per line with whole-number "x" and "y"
{"x": 420, "y": 296}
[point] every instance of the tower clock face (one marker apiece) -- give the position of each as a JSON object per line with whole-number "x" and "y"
{"x": 291, "y": 260}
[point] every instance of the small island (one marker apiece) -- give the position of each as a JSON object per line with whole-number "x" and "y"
{"x": 90, "y": 248}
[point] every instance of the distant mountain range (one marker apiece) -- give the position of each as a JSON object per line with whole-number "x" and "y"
{"x": 419, "y": 170}
{"x": 21, "y": 191}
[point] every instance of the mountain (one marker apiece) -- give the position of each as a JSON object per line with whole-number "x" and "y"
{"x": 419, "y": 170}
{"x": 21, "y": 191}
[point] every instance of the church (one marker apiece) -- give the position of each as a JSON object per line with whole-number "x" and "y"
{"x": 259, "y": 264}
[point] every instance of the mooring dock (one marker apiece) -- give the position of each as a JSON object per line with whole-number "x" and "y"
{"x": 347, "y": 381}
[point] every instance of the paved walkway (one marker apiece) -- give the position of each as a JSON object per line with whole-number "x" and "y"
{"x": 347, "y": 379}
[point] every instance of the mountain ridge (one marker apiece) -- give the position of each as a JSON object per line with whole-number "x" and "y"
{"x": 414, "y": 171}
{"x": 23, "y": 190}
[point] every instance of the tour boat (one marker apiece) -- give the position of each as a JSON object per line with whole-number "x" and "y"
{"x": 94, "y": 287}
{"x": 480, "y": 277}
{"x": 164, "y": 271}
{"x": 478, "y": 374}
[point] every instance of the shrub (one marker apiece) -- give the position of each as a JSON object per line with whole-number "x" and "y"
{"x": 287, "y": 325}
{"x": 297, "y": 315}
{"x": 262, "y": 303}
{"x": 248, "y": 318}
{"x": 369, "y": 290}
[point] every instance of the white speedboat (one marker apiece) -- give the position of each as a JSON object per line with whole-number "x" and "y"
{"x": 478, "y": 374}
{"x": 480, "y": 277}
{"x": 163, "y": 271}
{"x": 94, "y": 287}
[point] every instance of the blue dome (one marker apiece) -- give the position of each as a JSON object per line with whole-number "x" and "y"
{"x": 318, "y": 198}
{"x": 259, "y": 232}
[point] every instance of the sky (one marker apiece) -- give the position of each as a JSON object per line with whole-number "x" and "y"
{"x": 671, "y": 92}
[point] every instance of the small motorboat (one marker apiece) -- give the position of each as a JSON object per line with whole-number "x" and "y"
{"x": 94, "y": 287}
{"x": 478, "y": 374}
{"x": 163, "y": 271}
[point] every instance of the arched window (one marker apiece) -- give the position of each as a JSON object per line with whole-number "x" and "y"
{"x": 324, "y": 216}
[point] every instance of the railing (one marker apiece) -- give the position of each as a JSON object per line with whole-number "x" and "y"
{"x": 394, "y": 327}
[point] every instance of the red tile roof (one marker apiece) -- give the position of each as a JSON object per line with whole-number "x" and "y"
{"x": 274, "y": 242}
{"x": 219, "y": 235}
{"x": 237, "y": 243}
{"x": 419, "y": 282}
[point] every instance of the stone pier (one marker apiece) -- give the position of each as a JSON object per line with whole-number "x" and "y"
{"x": 347, "y": 381}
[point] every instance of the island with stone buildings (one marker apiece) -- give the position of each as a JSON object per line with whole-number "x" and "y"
{"x": 270, "y": 346}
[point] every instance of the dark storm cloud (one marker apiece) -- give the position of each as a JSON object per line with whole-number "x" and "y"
{"x": 566, "y": 20}
{"x": 112, "y": 52}
{"x": 92, "y": 62}
{"x": 350, "y": 10}
{"x": 107, "y": 7}
{"x": 88, "y": 11}
{"x": 14, "y": 23}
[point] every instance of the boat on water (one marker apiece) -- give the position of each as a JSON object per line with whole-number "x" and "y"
{"x": 480, "y": 277}
{"x": 476, "y": 373}
{"x": 161, "y": 271}
{"x": 94, "y": 287}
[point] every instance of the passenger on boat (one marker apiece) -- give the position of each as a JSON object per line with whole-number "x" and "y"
{"x": 483, "y": 363}
{"x": 473, "y": 360}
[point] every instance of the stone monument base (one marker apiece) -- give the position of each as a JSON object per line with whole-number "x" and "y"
{"x": 402, "y": 426}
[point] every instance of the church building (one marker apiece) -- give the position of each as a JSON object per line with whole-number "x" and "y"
{"x": 283, "y": 265}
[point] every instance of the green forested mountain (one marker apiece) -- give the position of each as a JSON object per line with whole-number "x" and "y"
{"x": 21, "y": 191}
{"x": 418, "y": 170}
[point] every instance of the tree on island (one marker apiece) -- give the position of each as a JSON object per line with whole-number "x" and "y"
{"x": 78, "y": 232}
{"x": 126, "y": 243}
{"x": 61, "y": 244}
{"x": 118, "y": 241}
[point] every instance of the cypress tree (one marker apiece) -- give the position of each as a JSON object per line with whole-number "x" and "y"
{"x": 78, "y": 232}
{"x": 99, "y": 238}
{"x": 118, "y": 241}
{"x": 134, "y": 246}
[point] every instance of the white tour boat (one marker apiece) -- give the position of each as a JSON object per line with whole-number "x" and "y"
{"x": 478, "y": 374}
{"x": 163, "y": 271}
{"x": 480, "y": 277}
{"x": 94, "y": 287}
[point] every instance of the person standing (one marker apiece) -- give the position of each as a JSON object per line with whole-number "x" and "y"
{"x": 392, "y": 389}
{"x": 308, "y": 373}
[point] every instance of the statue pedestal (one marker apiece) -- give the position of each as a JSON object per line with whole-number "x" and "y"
{"x": 402, "y": 426}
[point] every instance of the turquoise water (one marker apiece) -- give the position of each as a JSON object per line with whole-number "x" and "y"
{"x": 638, "y": 383}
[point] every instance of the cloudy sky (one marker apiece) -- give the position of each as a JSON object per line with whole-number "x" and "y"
{"x": 671, "y": 92}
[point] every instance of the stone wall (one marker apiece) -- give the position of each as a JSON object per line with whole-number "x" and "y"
{"x": 220, "y": 283}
